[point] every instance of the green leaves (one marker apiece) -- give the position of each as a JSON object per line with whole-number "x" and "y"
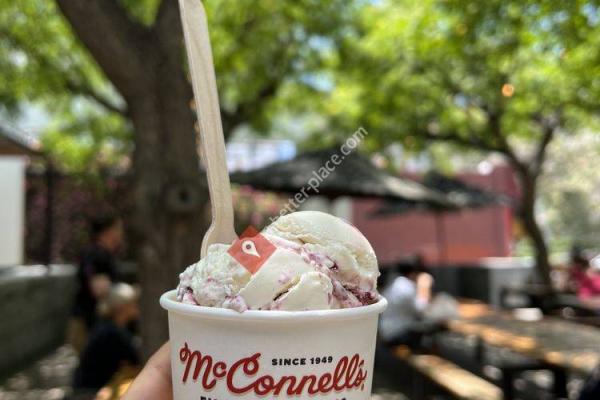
{"x": 44, "y": 64}
{"x": 269, "y": 55}
{"x": 88, "y": 141}
{"x": 40, "y": 53}
{"x": 452, "y": 65}
{"x": 261, "y": 47}
{"x": 405, "y": 70}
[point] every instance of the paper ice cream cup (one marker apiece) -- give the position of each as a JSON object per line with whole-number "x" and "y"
{"x": 221, "y": 354}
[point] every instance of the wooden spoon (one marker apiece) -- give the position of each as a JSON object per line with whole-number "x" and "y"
{"x": 202, "y": 70}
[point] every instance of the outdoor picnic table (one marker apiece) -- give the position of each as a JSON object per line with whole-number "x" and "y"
{"x": 559, "y": 343}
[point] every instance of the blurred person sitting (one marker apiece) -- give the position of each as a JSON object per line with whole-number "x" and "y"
{"x": 577, "y": 265}
{"x": 408, "y": 295}
{"x": 111, "y": 345}
{"x": 585, "y": 278}
{"x": 97, "y": 272}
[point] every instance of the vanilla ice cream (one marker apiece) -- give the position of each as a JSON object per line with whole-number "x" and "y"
{"x": 319, "y": 262}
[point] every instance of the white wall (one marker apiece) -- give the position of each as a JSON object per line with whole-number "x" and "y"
{"x": 340, "y": 207}
{"x": 12, "y": 210}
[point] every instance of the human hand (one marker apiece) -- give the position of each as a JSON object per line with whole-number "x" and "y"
{"x": 154, "y": 382}
{"x": 424, "y": 284}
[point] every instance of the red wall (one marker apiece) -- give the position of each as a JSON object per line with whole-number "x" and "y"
{"x": 448, "y": 238}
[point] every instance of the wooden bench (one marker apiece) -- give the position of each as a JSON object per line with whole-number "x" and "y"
{"x": 458, "y": 382}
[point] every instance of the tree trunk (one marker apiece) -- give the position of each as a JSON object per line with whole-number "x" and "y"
{"x": 528, "y": 182}
{"x": 145, "y": 66}
{"x": 170, "y": 198}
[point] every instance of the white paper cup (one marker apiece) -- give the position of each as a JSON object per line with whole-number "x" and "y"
{"x": 220, "y": 354}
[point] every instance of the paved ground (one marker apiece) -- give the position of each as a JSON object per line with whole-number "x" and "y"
{"x": 47, "y": 379}
{"x": 388, "y": 396}
{"x": 50, "y": 378}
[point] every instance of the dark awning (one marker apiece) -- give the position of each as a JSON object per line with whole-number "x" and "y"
{"x": 355, "y": 176}
{"x": 459, "y": 195}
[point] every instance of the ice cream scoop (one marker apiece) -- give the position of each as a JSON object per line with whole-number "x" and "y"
{"x": 320, "y": 262}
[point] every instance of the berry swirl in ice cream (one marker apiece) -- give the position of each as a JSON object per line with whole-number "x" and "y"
{"x": 320, "y": 262}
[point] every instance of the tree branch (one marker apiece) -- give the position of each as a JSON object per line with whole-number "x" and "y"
{"x": 500, "y": 143}
{"x": 74, "y": 86}
{"x": 86, "y": 91}
{"x": 503, "y": 144}
{"x": 115, "y": 41}
{"x": 549, "y": 128}
{"x": 471, "y": 141}
{"x": 244, "y": 111}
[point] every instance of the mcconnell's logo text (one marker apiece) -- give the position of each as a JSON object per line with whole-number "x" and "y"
{"x": 348, "y": 374}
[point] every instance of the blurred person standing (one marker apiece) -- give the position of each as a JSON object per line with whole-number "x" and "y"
{"x": 408, "y": 296}
{"x": 111, "y": 347}
{"x": 96, "y": 274}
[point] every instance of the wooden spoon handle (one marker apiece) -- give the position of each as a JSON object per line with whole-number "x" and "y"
{"x": 195, "y": 28}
